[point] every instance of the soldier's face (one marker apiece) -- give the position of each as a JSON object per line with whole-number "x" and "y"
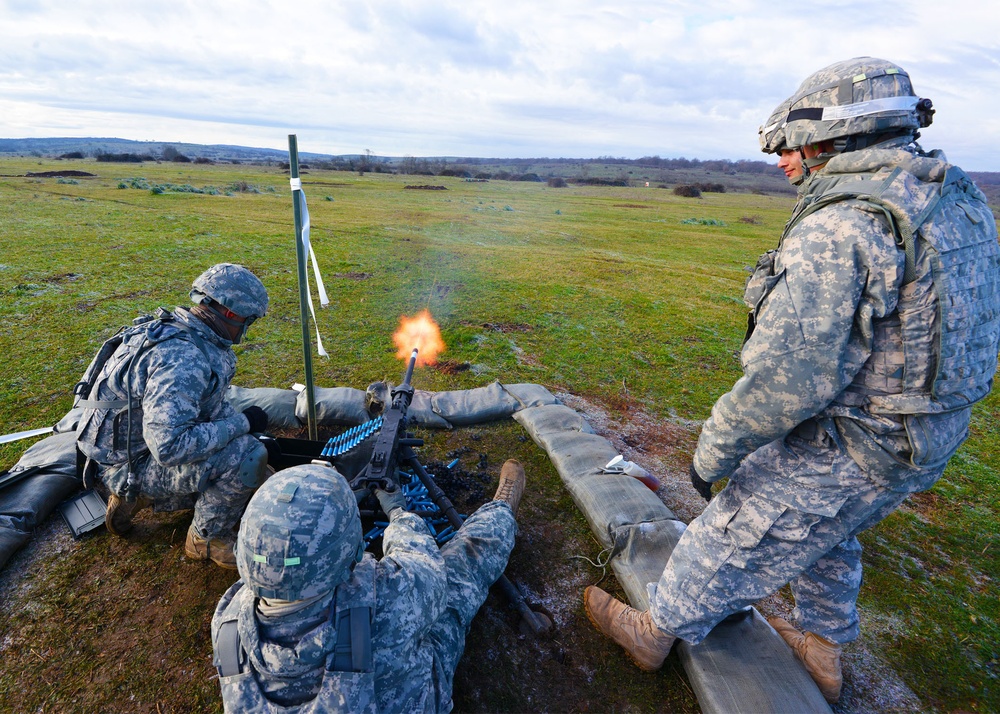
{"x": 790, "y": 162}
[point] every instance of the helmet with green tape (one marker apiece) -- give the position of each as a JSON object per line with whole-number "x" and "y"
{"x": 300, "y": 534}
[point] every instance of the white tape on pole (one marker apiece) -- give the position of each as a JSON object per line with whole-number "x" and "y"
{"x": 311, "y": 255}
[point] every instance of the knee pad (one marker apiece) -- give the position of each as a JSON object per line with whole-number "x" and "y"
{"x": 253, "y": 468}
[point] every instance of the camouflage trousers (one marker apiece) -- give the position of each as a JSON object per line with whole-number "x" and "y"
{"x": 212, "y": 486}
{"x": 789, "y": 514}
{"x": 474, "y": 559}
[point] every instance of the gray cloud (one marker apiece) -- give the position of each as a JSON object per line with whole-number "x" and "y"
{"x": 570, "y": 77}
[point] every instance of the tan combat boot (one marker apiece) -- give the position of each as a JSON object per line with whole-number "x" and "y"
{"x": 820, "y": 657}
{"x": 118, "y": 517}
{"x": 645, "y": 643}
{"x": 511, "y": 486}
{"x": 218, "y": 550}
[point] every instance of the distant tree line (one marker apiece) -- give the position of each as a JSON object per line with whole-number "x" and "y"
{"x": 169, "y": 153}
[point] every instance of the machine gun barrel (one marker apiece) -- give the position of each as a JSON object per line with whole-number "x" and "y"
{"x": 409, "y": 367}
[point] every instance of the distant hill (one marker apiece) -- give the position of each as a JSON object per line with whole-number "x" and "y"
{"x": 738, "y": 176}
{"x": 91, "y": 147}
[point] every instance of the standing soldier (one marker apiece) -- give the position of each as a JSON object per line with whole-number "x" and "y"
{"x": 874, "y": 329}
{"x": 156, "y": 427}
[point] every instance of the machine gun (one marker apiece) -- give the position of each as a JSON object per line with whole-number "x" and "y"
{"x": 392, "y": 449}
{"x": 393, "y": 444}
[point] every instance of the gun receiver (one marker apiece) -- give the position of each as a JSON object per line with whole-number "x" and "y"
{"x": 392, "y": 439}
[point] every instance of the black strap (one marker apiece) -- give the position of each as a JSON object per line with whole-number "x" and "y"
{"x": 361, "y": 639}
{"x": 813, "y": 113}
{"x": 353, "y": 651}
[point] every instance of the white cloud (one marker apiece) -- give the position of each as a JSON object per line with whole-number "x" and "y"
{"x": 567, "y": 77}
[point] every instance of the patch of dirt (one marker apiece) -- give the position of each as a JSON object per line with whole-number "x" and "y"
{"x": 507, "y": 327}
{"x": 427, "y": 187}
{"x": 58, "y": 174}
{"x": 450, "y": 366}
{"x": 352, "y": 276}
{"x": 630, "y": 205}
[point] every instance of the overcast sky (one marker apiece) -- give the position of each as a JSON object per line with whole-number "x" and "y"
{"x": 497, "y": 78}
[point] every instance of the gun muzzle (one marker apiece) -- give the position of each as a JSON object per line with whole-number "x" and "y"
{"x": 410, "y": 366}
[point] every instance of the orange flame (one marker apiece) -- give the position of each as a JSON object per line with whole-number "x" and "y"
{"x": 422, "y": 333}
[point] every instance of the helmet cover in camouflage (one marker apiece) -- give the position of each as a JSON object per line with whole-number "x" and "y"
{"x": 855, "y": 97}
{"x": 772, "y": 132}
{"x": 234, "y": 287}
{"x": 300, "y": 534}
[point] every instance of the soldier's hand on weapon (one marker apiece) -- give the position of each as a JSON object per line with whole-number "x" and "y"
{"x": 703, "y": 487}
{"x": 257, "y": 418}
{"x": 390, "y": 499}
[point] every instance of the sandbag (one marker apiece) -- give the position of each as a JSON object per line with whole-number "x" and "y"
{"x": 69, "y": 421}
{"x": 530, "y": 395}
{"x": 335, "y": 406}
{"x": 24, "y": 505}
{"x": 278, "y": 403}
{"x": 474, "y": 406}
{"x": 421, "y": 412}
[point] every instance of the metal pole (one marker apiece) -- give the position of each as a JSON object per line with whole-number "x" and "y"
{"x": 300, "y": 258}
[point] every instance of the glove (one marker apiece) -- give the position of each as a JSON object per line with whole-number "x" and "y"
{"x": 257, "y": 418}
{"x": 703, "y": 487}
{"x": 392, "y": 500}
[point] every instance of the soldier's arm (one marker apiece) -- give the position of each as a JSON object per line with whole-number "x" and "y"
{"x": 838, "y": 270}
{"x": 411, "y": 582}
{"x": 177, "y": 383}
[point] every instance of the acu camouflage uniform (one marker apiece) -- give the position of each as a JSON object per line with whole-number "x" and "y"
{"x": 424, "y": 600}
{"x": 859, "y": 372}
{"x": 186, "y": 439}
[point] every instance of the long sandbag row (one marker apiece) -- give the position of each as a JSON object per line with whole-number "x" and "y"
{"x": 346, "y": 406}
{"x": 743, "y": 666}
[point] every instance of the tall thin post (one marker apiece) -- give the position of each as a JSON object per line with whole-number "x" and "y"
{"x": 300, "y": 258}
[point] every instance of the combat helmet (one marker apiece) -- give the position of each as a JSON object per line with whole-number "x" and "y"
{"x": 234, "y": 288}
{"x": 855, "y": 103}
{"x": 772, "y": 132}
{"x": 300, "y": 534}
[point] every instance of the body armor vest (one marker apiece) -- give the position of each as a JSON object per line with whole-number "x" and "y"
{"x": 110, "y": 429}
{"x": 938, "y": 351}
{"x": 936, "y": 354}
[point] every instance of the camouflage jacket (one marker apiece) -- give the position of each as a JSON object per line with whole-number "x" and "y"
{"x": 177, "y": 371}
{"x": 827, "y": 341}
{"x": 410, "y": 596}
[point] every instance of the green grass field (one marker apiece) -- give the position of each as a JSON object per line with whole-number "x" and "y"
{"x": 600, "y": 292}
